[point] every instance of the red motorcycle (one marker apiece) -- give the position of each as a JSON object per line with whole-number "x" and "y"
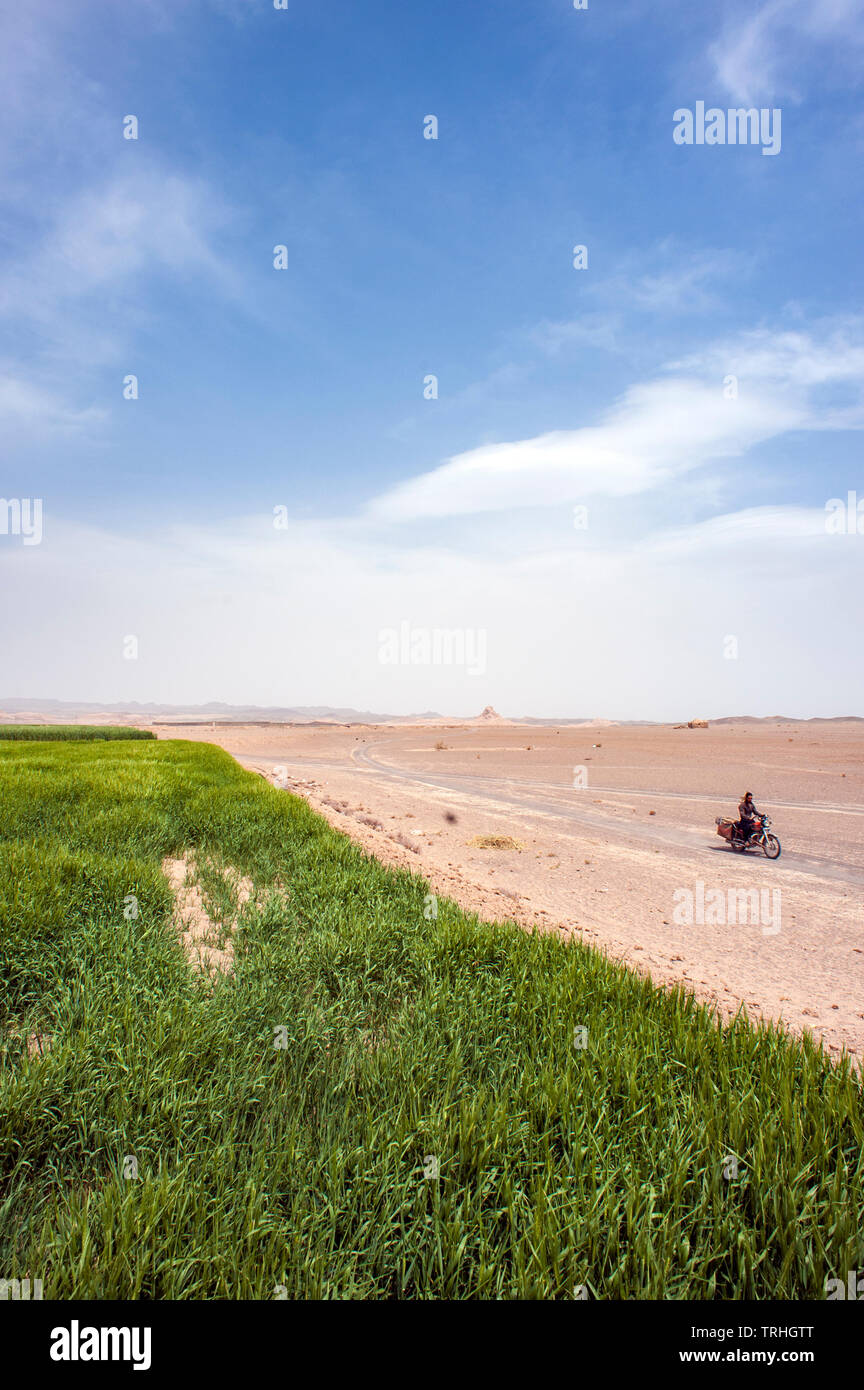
{"x": 759, "y": 836}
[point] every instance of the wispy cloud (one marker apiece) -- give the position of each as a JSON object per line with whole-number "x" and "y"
{"x": 33, "y": 411}
{"x": 83, "y": 287}
{"x": 795, "y": 359}
{"x": 152, "y": 221}
{"x": 765, "y": 53}
{"x": 750, "y": 531}
{"x": 659, "y": 431}
{"x": 690, "y": 285}
{"x": 664, "y": 284}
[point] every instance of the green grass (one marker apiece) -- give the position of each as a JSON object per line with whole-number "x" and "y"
{"x": 67, "y": 733}
{"x": 303, "y": 1166}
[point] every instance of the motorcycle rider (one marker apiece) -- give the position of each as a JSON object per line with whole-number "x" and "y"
{"x": 747, "y": 811}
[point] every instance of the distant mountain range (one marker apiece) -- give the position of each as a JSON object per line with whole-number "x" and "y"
{"x": 789, "y": 719}
{"x": 214, "y": 710}
{"x": 217, "y": 712}
{"x": 19, "y": 711}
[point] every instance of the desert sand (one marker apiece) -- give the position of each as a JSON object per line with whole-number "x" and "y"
{"x": 611, "y": 860}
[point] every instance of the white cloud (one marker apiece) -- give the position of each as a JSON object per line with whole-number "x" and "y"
{"x": 592, "y": 330}
{"x": 675, "y": 281}
{"x": 750, "y": 531}
{"x": 677, "y": 289}
{"x": 150, "y": 220}
{"x": 659, "y": 431}
{"x": 662, "y": 280}
{"x": 761, "y": 55}
{"x": 82, "y": 289}
{"x": 29, "y": 409}
{"x": 794, "y": 359}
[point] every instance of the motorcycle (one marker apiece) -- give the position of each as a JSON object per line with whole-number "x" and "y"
{"x": 759, "y": 836}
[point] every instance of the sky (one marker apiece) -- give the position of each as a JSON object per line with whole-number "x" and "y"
{"x": 553, "y": 412}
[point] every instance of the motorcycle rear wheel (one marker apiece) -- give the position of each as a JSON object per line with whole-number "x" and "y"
{"x": 738, "y": 844}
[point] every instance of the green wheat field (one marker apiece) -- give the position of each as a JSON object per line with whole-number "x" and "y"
{"x": 276, "y": 1129}
{"x": 70, "y": 733}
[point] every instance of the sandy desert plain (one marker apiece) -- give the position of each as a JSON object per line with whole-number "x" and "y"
{"x": 612, "y": 860}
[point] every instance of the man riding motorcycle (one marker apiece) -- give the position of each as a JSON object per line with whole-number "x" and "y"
{"x": 747, "y": 811}
{"x": 750, "y": 831}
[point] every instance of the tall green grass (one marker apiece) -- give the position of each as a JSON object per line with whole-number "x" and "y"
{"x": 68, "y": 733}
{"x": 408, "y": 1043}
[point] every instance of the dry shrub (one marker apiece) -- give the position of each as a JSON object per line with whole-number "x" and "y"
{"x": 494, "y": 842}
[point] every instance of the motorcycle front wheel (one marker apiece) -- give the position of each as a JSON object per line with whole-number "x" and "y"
{"x": 771, "y": 846}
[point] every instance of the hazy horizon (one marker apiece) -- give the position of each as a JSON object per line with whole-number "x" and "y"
{"x": 45, "y": 705}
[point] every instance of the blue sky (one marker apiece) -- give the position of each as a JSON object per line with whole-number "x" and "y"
{"x": 303, "y": 388}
